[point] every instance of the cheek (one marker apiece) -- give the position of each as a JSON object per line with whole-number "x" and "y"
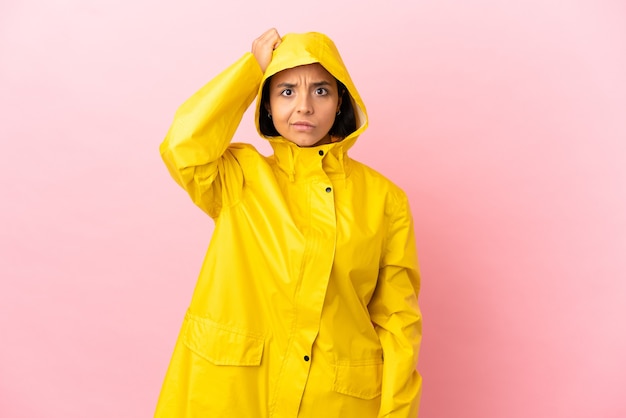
{"x": 330, "y": 113}
{"x": 279, "y": 109}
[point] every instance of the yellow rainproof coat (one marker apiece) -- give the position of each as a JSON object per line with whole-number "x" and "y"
{"x": 306, "y": 304}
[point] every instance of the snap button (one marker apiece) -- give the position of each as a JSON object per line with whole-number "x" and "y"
{"x": 321, "y": 152}
{"x": 306, "y": 358}
{"x": 328, "y": 190}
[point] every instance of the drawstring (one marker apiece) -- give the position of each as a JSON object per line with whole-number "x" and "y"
{"x": 343, "y": 167}
{"x": 292, "y": 165}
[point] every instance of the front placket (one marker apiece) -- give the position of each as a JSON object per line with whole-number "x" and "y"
{"x": 309, "y": 299}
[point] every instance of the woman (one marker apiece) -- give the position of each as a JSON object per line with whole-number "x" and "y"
{"x": 306, "y": 304}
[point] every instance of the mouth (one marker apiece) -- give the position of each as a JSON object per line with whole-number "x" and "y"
{"x": 302, "y": 126}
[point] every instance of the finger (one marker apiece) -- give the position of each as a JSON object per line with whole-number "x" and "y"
{"x": 263, "y": 42}
{"x": 268, "y": 36}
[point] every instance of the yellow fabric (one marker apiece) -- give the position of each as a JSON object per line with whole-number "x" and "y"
{"x": 306, "y": 304}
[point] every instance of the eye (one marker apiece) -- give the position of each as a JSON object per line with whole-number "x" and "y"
{"x": 321, "y": 91}
{"x": 286, "y": 92}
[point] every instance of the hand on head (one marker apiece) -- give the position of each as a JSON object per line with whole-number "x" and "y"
{"x": 264, "y": 45}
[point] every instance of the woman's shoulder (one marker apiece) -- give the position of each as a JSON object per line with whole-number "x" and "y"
{"x": 249, "y": 159}
{"x": 243, "y": 148}
{"x": 375, "y": 180}
{"x": 244, "y": 151}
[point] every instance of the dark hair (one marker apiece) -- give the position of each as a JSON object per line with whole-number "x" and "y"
{"x": 345, "y": 122}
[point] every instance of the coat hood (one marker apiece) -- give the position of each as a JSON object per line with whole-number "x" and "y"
{"x": 298, "y": 49}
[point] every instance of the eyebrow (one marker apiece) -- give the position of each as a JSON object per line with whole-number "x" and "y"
{"x": 291, "y": 85}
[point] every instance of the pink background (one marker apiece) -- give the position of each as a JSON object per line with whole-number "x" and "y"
{"x": 504, "y": 121}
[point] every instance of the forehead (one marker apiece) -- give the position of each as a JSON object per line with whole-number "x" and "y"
{"x": 311, "y": 72}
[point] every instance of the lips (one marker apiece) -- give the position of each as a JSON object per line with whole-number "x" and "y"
{"x": 303, "y": 126}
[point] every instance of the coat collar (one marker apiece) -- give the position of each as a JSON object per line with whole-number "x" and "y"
{"x": 308, "y": 162}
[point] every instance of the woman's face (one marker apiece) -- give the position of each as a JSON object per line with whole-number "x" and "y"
{"x": 303, "y": 102}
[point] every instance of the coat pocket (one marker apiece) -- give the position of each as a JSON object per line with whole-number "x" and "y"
{"x": 221, "y": 345}
{"x": 361, "y": 379}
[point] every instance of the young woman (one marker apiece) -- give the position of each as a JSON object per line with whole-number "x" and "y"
{"x": 306, "y": 304}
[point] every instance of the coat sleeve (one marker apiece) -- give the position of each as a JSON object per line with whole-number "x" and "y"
{"x": 397, "y": 319}
{"x": 195, "y": 149}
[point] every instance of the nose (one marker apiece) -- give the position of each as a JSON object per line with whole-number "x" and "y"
{"x": 304, "y": 104}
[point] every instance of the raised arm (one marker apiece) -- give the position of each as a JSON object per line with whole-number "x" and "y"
{"x": 195, "y": 149}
